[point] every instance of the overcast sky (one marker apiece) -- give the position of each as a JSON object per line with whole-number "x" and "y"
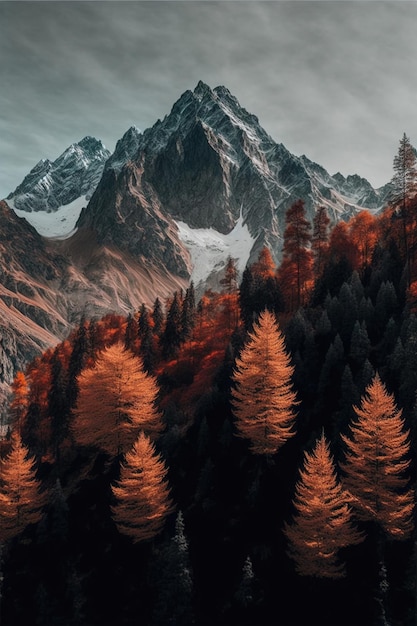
{"x": 334, "y": 80}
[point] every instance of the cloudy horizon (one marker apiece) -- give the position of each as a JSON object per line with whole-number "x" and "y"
{"x": 333, "y": 80}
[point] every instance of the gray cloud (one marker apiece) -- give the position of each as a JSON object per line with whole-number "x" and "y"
{"x": 333, "y": 80}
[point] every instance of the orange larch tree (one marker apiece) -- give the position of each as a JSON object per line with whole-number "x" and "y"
{"x": 322, "y": 524}
{"x": 116, "y": 400}
{"x": 20, "y": 399}
{"x": 363, "y": 229}
{"x": 142, "y": 493}
{"x": 21, "y": 499}
{"x": 263, "y": 398}
{"x": 376, "y": 460}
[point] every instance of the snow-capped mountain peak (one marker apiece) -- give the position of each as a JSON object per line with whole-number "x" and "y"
{"x": 51, "y": 185}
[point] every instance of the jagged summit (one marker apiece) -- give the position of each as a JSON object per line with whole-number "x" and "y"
{"x": 50, "y": 185}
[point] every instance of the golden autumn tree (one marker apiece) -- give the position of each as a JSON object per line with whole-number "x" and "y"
{"x": 376, "y": 460}
{"x": 263, "y": 398}
{"x": 363, "y": 230}
{"x": 116, "y": 400}
{"x": 20, "y": 399}
{"x": 21, "y": 500}
{"x": 142, "y": 493}
{"x": 322, "y": 524}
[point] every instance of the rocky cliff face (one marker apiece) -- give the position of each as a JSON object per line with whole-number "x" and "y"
{"x": 50, "y": 185}
{"x": 205, "y": 164}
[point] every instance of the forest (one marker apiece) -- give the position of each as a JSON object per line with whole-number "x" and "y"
{"x": 246, "y": 459}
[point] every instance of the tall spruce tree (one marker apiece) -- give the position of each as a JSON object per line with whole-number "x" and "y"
{"x": 21, "y": 499}
{"x": 322, "y": 523}
{"x": 295, "y": 273}
{"x": 404, "y": 186}
{"x": 142, "y": 497}
{"x": 376, "y": 460}
{"x": 263, "y": 398}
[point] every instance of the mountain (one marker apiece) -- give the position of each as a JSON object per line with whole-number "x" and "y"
{"x": 206, "y": 165}
{"x": 50, "y": 185}
{"x": 169, "y": 205}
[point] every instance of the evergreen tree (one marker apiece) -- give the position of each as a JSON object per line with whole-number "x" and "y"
{"x": 116, "y": 401}
{"x": 229, "y": 282}
{"x": 58, "y": 405}
{"x": 295, "y": 273}
{"x": 142, "y": 493}
{"x": 376, "y": 460}
{"x": 173, "y": 582}
{"x": 322, "y": 524}
{"x": 21, "y": 500}
{"x": 79, "y": 355}
{"x": 132, "y": 331}
{"x": 171, "y": 337}
{"x": 145, "y": 333}
{"x": 157, "y": 317}
{"x": 359, "y": 345}
{"x": 188, "y": 313}
{"x": 263, "y": 399}
{"x": 404, "y": 184}
{"x": 320, "y": 240}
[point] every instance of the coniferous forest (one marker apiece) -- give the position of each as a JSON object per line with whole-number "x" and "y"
{"x": 245, "y": 459}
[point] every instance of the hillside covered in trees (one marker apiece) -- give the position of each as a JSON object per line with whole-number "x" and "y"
{"x": 249, "y": 458}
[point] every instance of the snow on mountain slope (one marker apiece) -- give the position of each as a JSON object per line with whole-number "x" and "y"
{"x": 59, "y": 224}
{"x": 210, "y": 249}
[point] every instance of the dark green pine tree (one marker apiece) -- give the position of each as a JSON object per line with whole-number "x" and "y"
{"x": 245, "y": 298}
{"x": 172, "y": 580}
{"x": 146, "y": 349}
{"x": 58, "y": 406}
{"x": 157, "y": 317}
{"x": 247, "y": 595}
{"x": 79, "y": 355}
{"x": 330, "y": 379}
{"x": 408, "y": 376}
{"x": 131, "y": 333}
{"x": 359, "y": 345}
{"x": 171, "y": 337}
{"x": 188, "y": 313}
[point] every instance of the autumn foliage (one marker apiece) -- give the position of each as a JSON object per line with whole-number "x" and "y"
{"x": 142, "y": 494}
{"x": 322, "y": 523}
{"x": 116, "y": 401}
{"x": 377, "y": 457}
{"x": 263, "y": 397}
{"x": 232, "y": 389}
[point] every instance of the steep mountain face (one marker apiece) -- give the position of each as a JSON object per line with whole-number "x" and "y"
{"x": 45, "y": 293}
{"x": 208, "y": 162}
{"x": 169, "y": 205}
{"x": 50, "y": 185}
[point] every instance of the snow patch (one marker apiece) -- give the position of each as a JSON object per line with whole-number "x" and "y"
{"x": 59, "y": 224}
{"x": 210, "y": 249}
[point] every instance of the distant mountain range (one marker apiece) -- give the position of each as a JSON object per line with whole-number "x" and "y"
{"x": 168, "y": 206}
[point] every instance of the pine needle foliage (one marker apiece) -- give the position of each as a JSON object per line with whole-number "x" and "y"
{"x": 322, "y": 524}
{"x": 116, "y": 401}
{"x": 142, "y": 493}
{"x": 263, "y": 397}
{"x": 376, "y": 459}
{"x": 21, "y": 500}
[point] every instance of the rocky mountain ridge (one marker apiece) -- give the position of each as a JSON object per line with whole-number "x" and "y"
{"x": 75, "y": 173}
